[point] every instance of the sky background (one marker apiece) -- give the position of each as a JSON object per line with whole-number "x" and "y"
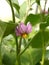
{"x": 5, "y": 10}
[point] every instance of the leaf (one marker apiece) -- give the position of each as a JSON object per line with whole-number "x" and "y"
{"x": 13, "y": 1}
{"x": 16, "y": 7}
{"x": 10, "y": 28}
{"x": 6, "y": 28}
{"x": 38, "y": 2}
{"x": 22, "y": 11}
{"x": 43, "y": 26}
{"x": 47, "y": 54}
{"x": 31, "y": 56}
{"x": 9, "y": 58}
{"x": 2, "y": 29}
{"x": 37, "y": 40}
{"x": 15, "y": 4}
{"x": 32, "y": 1}
{"x": 46, "y": 62}
{"x": 33, "y": 18}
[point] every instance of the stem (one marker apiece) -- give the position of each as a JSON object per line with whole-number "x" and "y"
{"x": 43, "y": 56}
{"x": 29, "y": 5}
{"x": 45, "y": 5}
{"x": 0, "y": 55}
{"x": 36, "y": 9}
{"x": 25, "y": 48}
{"x": 18, "y": 48}
{"x": 13, "y": 16}
{"x": 43, "y": 48}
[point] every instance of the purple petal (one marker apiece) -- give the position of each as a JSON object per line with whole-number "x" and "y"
{"x": 17, "y": 31}
{"x": 29, "y": 28}
{"x": 22, "y": 27}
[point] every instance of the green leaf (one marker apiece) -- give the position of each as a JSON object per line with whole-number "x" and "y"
{"x": 46, "y": 58}
{"x": 46, "y": 62}
{"x": 37, "y": 40}
{"x": 13, "y": 1}
{"x": 47, "y": 54}
{"x": 23, "y": 8}
{"x": 16, "y": 7}
{"x": 31, "y": 56}
{"x": 43, "y": 26}
{"x": 2, "y": 29}
{"x": 9, "y": 58}
{"x": 47, "y": 19}
{"x": 10, "y": 29}
{"x": 33, "y": 18}
{"x": 6, "y": 28}
{"x": 15, "y": 4}
{"x": 32, "y": 1}
{"x": 38, "y": 2}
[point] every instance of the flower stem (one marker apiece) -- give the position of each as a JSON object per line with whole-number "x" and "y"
{"x": 13, "y": 16}
{"x": 18, "y": 48}
{"x": 26, "y": 47}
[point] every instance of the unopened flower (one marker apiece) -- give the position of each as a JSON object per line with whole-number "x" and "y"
{"x": 23, "y": 30}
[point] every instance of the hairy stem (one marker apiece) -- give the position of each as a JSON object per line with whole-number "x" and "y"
{"x": 13, "y": 16}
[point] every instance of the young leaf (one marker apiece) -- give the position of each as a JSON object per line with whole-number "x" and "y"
{"x": 23, "y": 8}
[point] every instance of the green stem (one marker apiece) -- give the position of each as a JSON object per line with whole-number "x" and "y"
{"x": 18, "y": 48}
{"x": 13, "y": 16}
{"x": 0, "y": 55}
{"x": 43, "y": 56}
{"x": 26, "y": 47}
{"x": 43, "y": 48}
{"x": 28, "y": 5}
{"x": 36, "y": 9}
{"x": 45, "y": 5}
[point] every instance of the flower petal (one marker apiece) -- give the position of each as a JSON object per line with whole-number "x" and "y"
{"x": 17, "y": 31}
{"x": 22, "y": 27}
{"x": 29, "y": 27}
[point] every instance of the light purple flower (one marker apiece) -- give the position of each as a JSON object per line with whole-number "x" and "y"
{"x": 22, "y": 29}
